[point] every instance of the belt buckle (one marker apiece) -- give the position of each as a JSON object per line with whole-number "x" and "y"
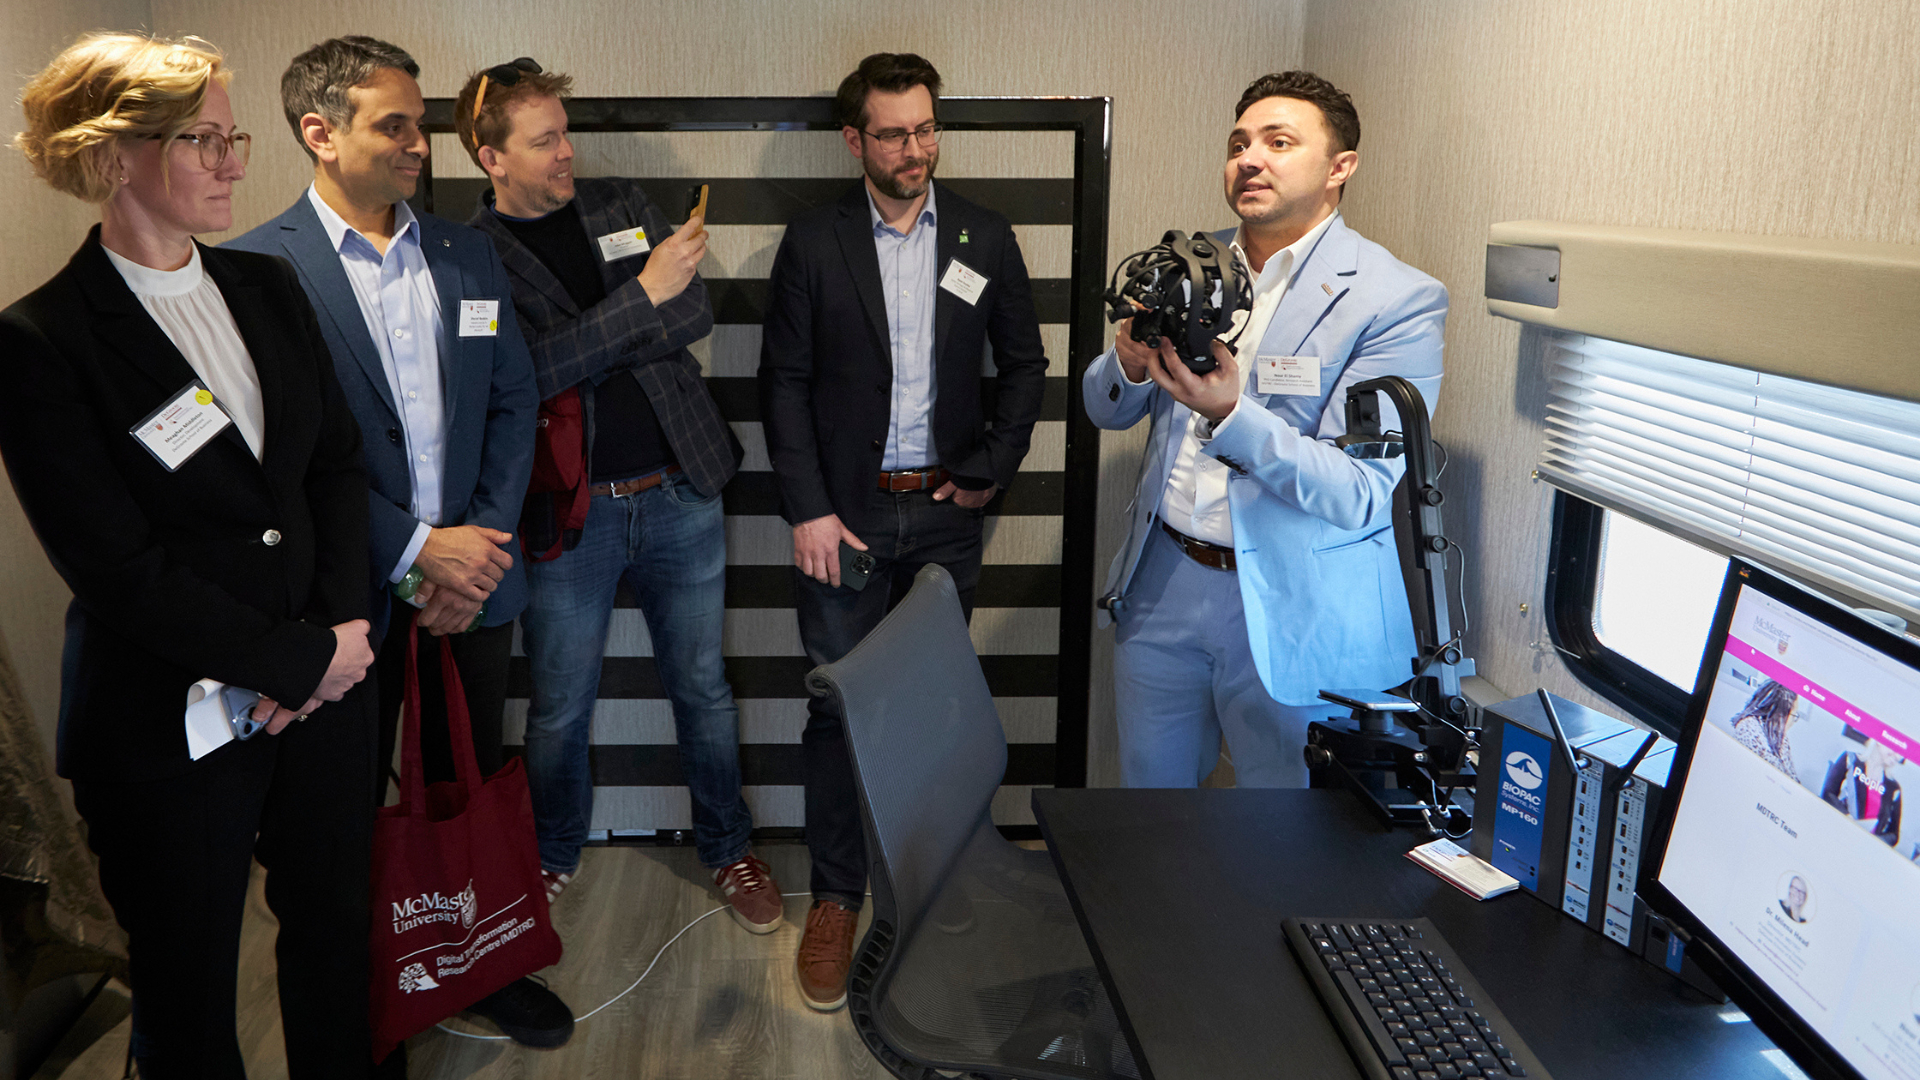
{"x": 917, "y": 477}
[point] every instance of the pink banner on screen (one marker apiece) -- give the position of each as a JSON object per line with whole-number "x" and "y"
{"x": 1858, "y": 719}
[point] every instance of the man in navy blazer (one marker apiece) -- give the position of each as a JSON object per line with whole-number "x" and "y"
{"x": 1260, "y": 564}
{"x": 418, "y": 314}
{"x": 879, "y": 308}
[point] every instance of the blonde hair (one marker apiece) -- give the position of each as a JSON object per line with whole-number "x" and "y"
{"x": 493, "y": 126}
{"x": 107, "y": 87}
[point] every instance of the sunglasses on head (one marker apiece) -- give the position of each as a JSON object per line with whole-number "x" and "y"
{"x": 506, "y": 74}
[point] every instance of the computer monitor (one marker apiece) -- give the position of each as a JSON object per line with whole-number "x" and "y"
{"x": 1782, "y": 853}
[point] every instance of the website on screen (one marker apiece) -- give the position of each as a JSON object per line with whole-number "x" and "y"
{"x": 1790, "y": 842}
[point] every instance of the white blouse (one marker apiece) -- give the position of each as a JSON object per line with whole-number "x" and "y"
{"x": 189, "y": 308}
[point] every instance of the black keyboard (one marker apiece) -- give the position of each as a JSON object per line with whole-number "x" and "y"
{"x": 1405, "y": 1003}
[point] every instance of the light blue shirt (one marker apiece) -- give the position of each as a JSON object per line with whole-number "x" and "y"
{"x": 402, "y": 309}
{"x": 907, "y": 270}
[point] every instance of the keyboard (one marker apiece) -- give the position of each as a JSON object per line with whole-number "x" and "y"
{"x": 1404, "y": 1002}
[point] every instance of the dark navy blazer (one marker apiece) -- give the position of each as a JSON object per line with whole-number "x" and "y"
{"x": 490, "y": 397}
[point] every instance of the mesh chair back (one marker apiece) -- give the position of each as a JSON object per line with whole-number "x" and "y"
{"x": 927, "y": 739}
{"x": 974, "y": 963}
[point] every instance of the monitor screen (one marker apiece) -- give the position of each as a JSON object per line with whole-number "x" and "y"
{"x": 1786, "y": 853}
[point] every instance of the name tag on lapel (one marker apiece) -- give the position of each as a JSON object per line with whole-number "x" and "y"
{"x": 964, "y": 281}
{"x": 176, "y": 431}
{"x": 624, "y": 244}
{"x": 479, "y": 318}
{"x": 1291, "y": 375}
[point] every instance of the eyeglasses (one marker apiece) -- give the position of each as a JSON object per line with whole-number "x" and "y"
{"x": 895, "y": 139}
{"x": 213, "y": 147}
{"x": 506, "y": 74}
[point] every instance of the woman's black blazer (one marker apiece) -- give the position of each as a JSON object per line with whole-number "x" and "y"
{"x": 229, "y": 568}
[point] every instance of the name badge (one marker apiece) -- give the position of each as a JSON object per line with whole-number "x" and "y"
{"x": 964, "y": 281}
{"x": 1293, "y": 375}
{"x": 177, "y": 430}
{"x": 479, "y": 318}
{"x": 624, "y": 244}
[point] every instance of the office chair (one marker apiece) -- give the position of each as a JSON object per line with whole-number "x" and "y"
{"x": 974, "y": 964}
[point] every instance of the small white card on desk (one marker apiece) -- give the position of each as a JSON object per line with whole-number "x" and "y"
{"x": 1296, "y": 375}
{"x": 624, "y": 244}
{"x": 177, "y": 430}
{"x": 1462, "y": 869}
{"x": 479, "y": 318}
{"x": 964, "y": 281}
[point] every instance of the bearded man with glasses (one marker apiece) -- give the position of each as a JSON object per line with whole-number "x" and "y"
{"x": 879, "y": 308}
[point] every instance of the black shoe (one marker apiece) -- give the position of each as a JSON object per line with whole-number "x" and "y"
{"x": 528, "y": 1012}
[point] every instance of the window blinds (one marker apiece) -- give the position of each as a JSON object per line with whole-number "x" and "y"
{"x": 1818, "y": 482}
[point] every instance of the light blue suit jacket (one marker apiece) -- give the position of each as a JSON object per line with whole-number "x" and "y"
{"x": 491, "y": 399}
{"x": 1319, "y": 574}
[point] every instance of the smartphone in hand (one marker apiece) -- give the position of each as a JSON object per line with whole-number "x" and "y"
{"x": 238, "y": 705}
{"x": 855, "y": 567}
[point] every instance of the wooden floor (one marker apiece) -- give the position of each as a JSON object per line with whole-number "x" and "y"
{"x": 722, "y": 1003}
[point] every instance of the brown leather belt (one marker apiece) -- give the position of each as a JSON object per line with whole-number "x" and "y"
{"x": 1212, "y": 556}
{"x": 635, "y": 487}
{"x": 914, "y": 479}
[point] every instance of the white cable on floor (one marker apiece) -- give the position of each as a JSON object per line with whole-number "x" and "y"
{"x": 636, "y": 983}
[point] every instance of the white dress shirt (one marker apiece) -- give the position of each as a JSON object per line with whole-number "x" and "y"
{"x": 194, "y": 316}
{"x": 1195, "y": 501}
{"x": 397, "y": 298}
{"x": 907, "y": 270}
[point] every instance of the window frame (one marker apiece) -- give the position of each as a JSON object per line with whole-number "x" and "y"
{"x": 1573, "y": 575}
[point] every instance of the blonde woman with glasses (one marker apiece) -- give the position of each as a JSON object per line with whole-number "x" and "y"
{"x": 174, "y": 431}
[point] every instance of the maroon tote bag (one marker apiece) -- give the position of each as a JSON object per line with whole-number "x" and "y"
{"x": 458, "y": 908}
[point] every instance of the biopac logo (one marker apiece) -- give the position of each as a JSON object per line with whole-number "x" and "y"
{"x": 1523, "y": 770}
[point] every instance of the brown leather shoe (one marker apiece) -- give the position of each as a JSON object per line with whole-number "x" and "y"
{"x": 749, "y": 887}
{"x": 826, "y": 954}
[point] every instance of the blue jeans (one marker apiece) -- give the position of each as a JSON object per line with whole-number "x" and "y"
{"x": 669, "y": 544}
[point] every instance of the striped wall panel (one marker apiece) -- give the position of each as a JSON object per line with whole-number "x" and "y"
{"x": 1017, "y": 627}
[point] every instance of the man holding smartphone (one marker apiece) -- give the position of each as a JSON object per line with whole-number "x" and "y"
{"x": 879, "y": 308}
{"x": 608, "y": 297}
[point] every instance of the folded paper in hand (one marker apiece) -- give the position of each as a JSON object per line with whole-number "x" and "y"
{"x": 207, "y": 727}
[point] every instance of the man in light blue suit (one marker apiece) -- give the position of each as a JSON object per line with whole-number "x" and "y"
{"x": 1260, "y": 564}
{"x": 418, "y": 314}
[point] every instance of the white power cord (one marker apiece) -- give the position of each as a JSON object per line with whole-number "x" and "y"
{"x": 636, "y": 983}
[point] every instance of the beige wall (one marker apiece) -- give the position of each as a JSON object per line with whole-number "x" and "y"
{"x": 1173, "y": 80}
{"x": 37, "y": 237}
{"x": 1777, "y": 117}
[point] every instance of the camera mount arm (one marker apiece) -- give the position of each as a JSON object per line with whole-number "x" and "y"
{"x": 1436, "y": 670}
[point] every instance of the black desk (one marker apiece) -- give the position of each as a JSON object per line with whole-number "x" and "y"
{"x": 1181, "y": 893}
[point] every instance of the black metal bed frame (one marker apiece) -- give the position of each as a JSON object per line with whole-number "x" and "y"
{"x": 1090, "y": 120}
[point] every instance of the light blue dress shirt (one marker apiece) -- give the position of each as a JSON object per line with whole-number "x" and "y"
{"x": 402, "y": 309}
{"x": 907, "y": 271}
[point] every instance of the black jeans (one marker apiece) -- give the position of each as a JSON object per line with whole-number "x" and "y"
{"x": 903, "y": 532}
{"x": 175, "y": 855}
{"x": 481, "y": 657}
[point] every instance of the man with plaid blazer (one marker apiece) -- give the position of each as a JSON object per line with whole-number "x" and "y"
{"x": 607, "y": 295}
